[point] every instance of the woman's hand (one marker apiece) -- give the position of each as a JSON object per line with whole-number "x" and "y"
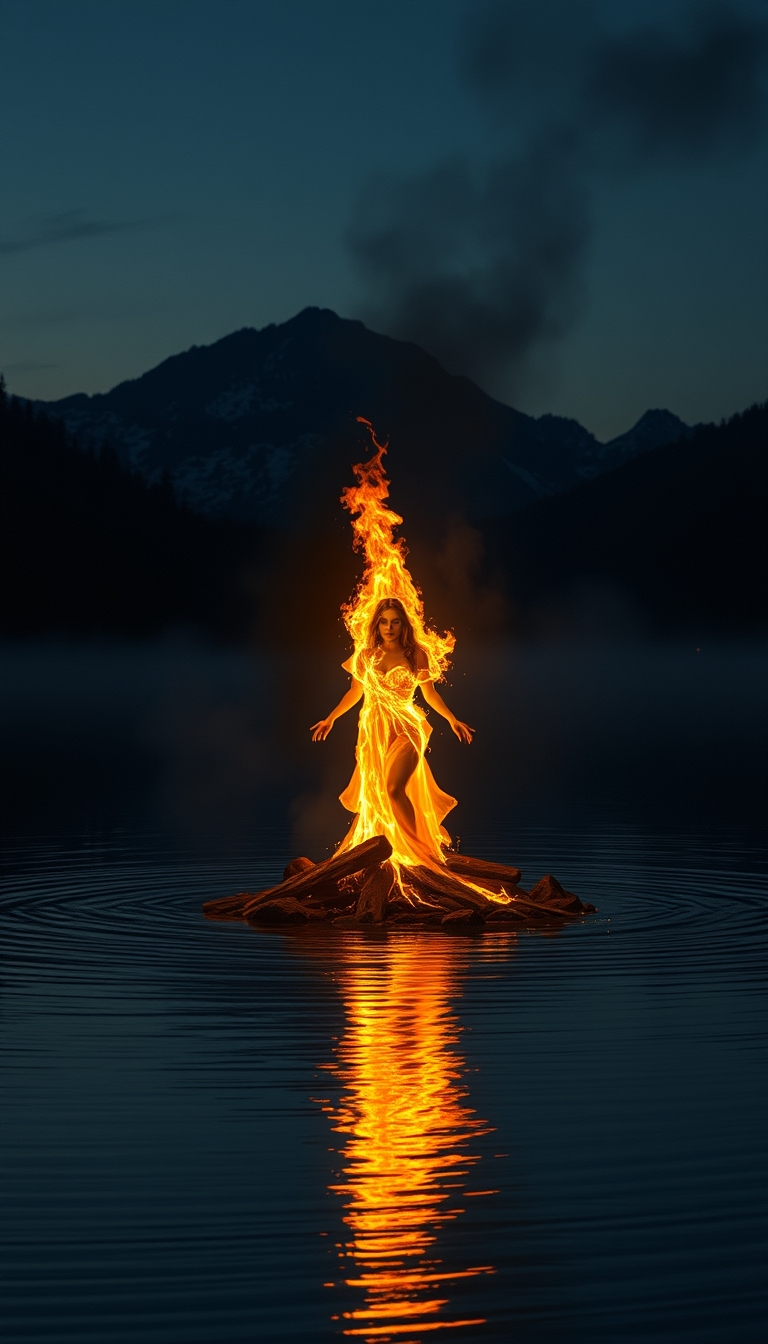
{"x": 321, "y": 730}
{"x": 462, "y": 730}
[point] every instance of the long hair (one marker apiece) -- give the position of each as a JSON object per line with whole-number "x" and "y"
{"x": 407, "y": 637}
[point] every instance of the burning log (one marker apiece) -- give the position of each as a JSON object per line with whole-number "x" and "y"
{"x": 546, "y": 900}
{"x": 360, "y": 887}
{"x": 550, "y": 900}
{"x": 375, "y": 893}
{"x": 445, "y": 885}
{"x": 320, "y": 877}
{"x": 481, "y": 870}
{"x": 416, "y": 895}
{"x": 407, "y": 882}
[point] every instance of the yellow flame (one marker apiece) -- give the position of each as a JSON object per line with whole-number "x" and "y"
{"x": 385, "y": 574}
{"x": 389, "y": 713}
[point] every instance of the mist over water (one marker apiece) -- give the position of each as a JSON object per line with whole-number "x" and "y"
{"x": 209, "y": 742}
{"x": 217, "y": 1133}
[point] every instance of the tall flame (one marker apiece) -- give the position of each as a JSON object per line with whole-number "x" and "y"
{"x": 385, "y": 573}
{"x": 389, "y": 711}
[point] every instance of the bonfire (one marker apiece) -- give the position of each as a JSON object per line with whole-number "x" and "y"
{"x": 397, "y": 865}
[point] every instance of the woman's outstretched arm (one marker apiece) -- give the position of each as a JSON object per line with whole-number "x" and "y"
{"x": 321, "y": 730}
{"x": 435, "y": 699}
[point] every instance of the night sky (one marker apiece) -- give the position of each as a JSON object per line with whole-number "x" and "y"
{"x": 569, "y": 206}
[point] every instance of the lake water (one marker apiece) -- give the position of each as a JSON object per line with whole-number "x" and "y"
{"x": 212, "y": 1133}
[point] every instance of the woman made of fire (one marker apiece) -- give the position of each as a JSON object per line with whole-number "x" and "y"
{"x": 392, "y": 791}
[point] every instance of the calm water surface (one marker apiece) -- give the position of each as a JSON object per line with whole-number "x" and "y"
{"x": 216, "y": 1134}
{"x": 213, "y": 1135}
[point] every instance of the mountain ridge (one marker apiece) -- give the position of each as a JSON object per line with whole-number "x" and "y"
{"x": 677, "y": 535}
{"x": 674, "y": 538}
{"x": 261, "y": 425}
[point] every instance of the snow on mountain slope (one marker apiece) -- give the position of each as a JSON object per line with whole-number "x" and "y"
{"x": 263, "y": 424}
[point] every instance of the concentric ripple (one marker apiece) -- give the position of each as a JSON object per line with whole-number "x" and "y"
{"x": 217, "y": 1133}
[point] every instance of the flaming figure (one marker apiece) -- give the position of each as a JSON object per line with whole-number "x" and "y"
{"x": 392, "y": 791}
{"x": 395, "y": 862}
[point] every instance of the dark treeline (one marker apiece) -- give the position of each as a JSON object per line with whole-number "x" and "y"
{"x": 87, "y": 546}
{"x": 682, "y": 531}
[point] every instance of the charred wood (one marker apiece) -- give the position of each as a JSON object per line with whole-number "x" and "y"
{"x": 359, "y": 887}
{"x": 320, "y": 877}
{"x": 300, "y": 865}
{"x": 479, "y": 870}
{"x": 284, "y": 910}
{"x": 550, "y": 893}
{"x": 459, "y": 919}
{"x": 375, "y": 893}
{"x": 339, "y": 895}
{"x": 445, "y": 884}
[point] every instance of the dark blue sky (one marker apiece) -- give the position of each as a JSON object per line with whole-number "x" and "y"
{"x": 175, "y": 169}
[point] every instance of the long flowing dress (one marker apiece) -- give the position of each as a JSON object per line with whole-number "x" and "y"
{"x": 390, "y": 722}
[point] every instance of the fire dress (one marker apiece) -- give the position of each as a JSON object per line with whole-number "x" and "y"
{"x": 389, "y": 721}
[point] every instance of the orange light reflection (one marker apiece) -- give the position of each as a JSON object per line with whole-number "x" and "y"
{"x": 408, "y": 1132}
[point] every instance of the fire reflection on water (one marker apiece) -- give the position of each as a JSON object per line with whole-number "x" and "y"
{"x": 408, "y": 1134}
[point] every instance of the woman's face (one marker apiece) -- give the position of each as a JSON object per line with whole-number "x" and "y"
{"x": 390, "y": 626}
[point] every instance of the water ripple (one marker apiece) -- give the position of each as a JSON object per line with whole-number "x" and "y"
{"x": 214, "y": 1132}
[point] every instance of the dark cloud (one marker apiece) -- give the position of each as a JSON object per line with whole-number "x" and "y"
{"x": 689, "y": 93}
{"x": 482, "y": 263}
{"x": 476, "y": 265}
{"x": 66, "y": 226}
{"x": 513, "y": 52}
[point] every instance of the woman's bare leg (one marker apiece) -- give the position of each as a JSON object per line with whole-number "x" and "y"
{"x": 402, "y": 762}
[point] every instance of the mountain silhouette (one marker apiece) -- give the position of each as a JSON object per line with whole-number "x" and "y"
{"x": 675, "y": 534}
{"x": 262, "y": 425}
{"x": 678, "y": 536}
{"x": 86, "y": 546}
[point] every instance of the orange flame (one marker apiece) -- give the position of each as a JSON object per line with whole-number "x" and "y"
{"x": 389, "y": 711}
{"x": 385, "y": 573}
{"x": 390, "y": 720}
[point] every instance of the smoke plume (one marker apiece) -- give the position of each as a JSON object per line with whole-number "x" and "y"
{"x": 480, "y": 263}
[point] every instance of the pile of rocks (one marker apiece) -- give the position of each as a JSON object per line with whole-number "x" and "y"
{"x": 359, "y": 887}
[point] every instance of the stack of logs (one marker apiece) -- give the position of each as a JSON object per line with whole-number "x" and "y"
{"x": 359, "y": 887}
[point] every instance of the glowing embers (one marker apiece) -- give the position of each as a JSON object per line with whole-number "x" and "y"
{"x": 408, "y": 1137}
